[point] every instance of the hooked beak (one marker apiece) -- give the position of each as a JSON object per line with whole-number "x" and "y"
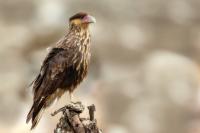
{"x": 89, "y": 19}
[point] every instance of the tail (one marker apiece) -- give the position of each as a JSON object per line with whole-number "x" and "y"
{"x": 36, "y": 112}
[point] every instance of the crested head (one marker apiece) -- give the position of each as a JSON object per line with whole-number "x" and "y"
{"x": 81, "y": 19}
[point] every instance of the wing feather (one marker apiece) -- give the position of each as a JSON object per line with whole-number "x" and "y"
{"x": 50, "y": 77}
{"x": 43, "y": 71}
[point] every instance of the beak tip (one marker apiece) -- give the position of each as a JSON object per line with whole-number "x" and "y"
{"x": 94, "y": 21}
{"x": 89, "y": 19}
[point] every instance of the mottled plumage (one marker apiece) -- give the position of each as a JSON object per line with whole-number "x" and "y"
{"x": 64, "y": 67}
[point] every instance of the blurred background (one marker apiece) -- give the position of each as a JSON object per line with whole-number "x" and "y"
{"x": 144, "y": 75}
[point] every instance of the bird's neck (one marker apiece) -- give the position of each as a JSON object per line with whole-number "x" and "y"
{"x": 80, "y": 34}
{"x": 80, "y": 30}
{"x": 77, "y": 36}
{"x": 82, "y": 37}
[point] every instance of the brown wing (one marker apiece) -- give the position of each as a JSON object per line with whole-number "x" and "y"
{"x": 50, "y": 78}
{"x": 39, "y": 80}
{"x": 51, "y": 72}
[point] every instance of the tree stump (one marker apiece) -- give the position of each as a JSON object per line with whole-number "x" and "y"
{"x": 70, "y": 121}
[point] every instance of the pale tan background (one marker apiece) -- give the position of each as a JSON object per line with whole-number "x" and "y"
{"x": 144, "y": 74}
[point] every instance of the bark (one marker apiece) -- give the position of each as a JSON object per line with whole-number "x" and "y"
{"x": 71, "y": 122}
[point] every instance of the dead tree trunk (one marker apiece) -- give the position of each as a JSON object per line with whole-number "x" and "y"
{"x": 70, "y": 121}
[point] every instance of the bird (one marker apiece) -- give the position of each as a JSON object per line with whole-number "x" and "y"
{"x": 64, "y": 67}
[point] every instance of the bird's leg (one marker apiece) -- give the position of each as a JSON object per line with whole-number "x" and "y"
{"x": 71, "y": 97}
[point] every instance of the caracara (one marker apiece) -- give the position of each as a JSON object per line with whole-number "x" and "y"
{"x": 64, "y": 67}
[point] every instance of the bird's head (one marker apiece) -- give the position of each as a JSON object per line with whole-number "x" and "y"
{"x": 81, "y": 20}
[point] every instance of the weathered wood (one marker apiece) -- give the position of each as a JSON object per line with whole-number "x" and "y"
{"x": 70, "y": 121}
